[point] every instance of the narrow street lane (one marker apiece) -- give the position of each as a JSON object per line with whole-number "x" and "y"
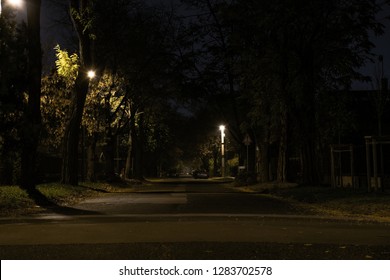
{"x": 173, "y": 217}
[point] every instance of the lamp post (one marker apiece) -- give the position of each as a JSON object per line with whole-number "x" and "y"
{"x": 222, "y": 129}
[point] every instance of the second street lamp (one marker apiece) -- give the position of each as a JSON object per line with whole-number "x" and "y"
{"x": 222, "y": 129}
{"x": 11, "y": 3}
{"x": 91, "y": 74}
{"x": 15, "y": 3}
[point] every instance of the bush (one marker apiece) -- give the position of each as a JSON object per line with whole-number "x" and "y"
{"x": 10, "y": 169}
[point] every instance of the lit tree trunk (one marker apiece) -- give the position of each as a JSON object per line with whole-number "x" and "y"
{"x": 70, "y": 168}
{"x": 70, "y": 164}
{"x": 32, "y": 115}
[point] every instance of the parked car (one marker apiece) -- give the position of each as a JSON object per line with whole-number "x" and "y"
{"x": 200, "y": 174}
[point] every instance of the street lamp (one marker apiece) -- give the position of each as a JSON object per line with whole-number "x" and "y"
{"x": 222, "y": 129}
{"x": 91, "y": 74}
{"x": 13, "y": 3}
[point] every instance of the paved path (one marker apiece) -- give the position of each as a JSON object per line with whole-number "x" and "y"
{"x": 191, "y": 228}
{"x": 160, "y": 221}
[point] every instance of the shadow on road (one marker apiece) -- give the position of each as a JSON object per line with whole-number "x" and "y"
{"x": 42, "y": 201}
{"x": 69, "y": 211}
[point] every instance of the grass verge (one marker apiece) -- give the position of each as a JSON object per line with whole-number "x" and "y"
{"x": 322, "y": 200}
{"x": 14, "y": 201}
{"x": 340, "y": 202}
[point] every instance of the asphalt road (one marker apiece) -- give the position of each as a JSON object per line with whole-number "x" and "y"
{"x": 184, "y": 220}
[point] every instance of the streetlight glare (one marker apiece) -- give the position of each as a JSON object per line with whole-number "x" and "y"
{"x": 222, "y": 129}
{"x": 91, "y": 74}
{"x": 15, "y": 3}
{"x": 12, "y": 3}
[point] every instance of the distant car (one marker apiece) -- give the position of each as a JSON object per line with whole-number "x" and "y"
{"x": 200, "y": 174}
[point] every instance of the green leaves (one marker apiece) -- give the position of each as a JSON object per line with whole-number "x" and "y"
{"x": 85, "y": 17}
{"x": 67, "y": 65}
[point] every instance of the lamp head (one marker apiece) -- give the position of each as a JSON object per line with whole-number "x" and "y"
{"x": 91, "y": 74}
{"x": 15, "y": 3}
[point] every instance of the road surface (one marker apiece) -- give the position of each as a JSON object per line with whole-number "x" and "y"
{"x": 183, "y": 220}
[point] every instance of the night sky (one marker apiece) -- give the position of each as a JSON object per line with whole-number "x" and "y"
{"x": 53, "y": 33}
{"x": 382, "y": 48}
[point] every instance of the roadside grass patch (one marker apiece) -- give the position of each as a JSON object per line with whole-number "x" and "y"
{"x": 14, "y": 201}
{"x": 369, "y": 204}
{"x": 340, "y": 201}
{"x": 64, "y": 194}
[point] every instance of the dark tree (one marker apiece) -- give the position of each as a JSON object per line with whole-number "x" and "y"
{"x": 31, "y": 126}
{"x": 292, "y": 52}
{"x": 13, "y": 80}
{"x": 203, "y": 42}
{"x": 132, "y": 44}
{"x": 81, "y": 13}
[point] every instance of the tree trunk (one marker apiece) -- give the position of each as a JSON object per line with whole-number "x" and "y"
{"x": 308, "y": 128}
{"x": 282, "y": 155}
{"x": 70, "y": 164}
{"x": 138, "y": 149}
{"x": 32, "y": 116}
{"x": 91, "y": 159}
{"x": 264, "y": 162}
{"x": 109, "y": 152}
{"x": 283, "y": 107}
{"x": 129, "y": 159}
{"x": 109, "y": 146}
{"x": 307, "y": 120}
{"x": 70, "y": 168}
{"x": 215, "y": 162}
{"x": 309, "y": 165}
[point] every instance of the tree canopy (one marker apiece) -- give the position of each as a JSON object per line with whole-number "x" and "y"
{"x": 273, "y": 71}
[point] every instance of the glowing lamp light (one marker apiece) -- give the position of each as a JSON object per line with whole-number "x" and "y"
{"x": 15, "y": 3}
{"x": 222, "y": 129}
{"x": 12, "y": 3}
{"x": 91, "y": 74}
